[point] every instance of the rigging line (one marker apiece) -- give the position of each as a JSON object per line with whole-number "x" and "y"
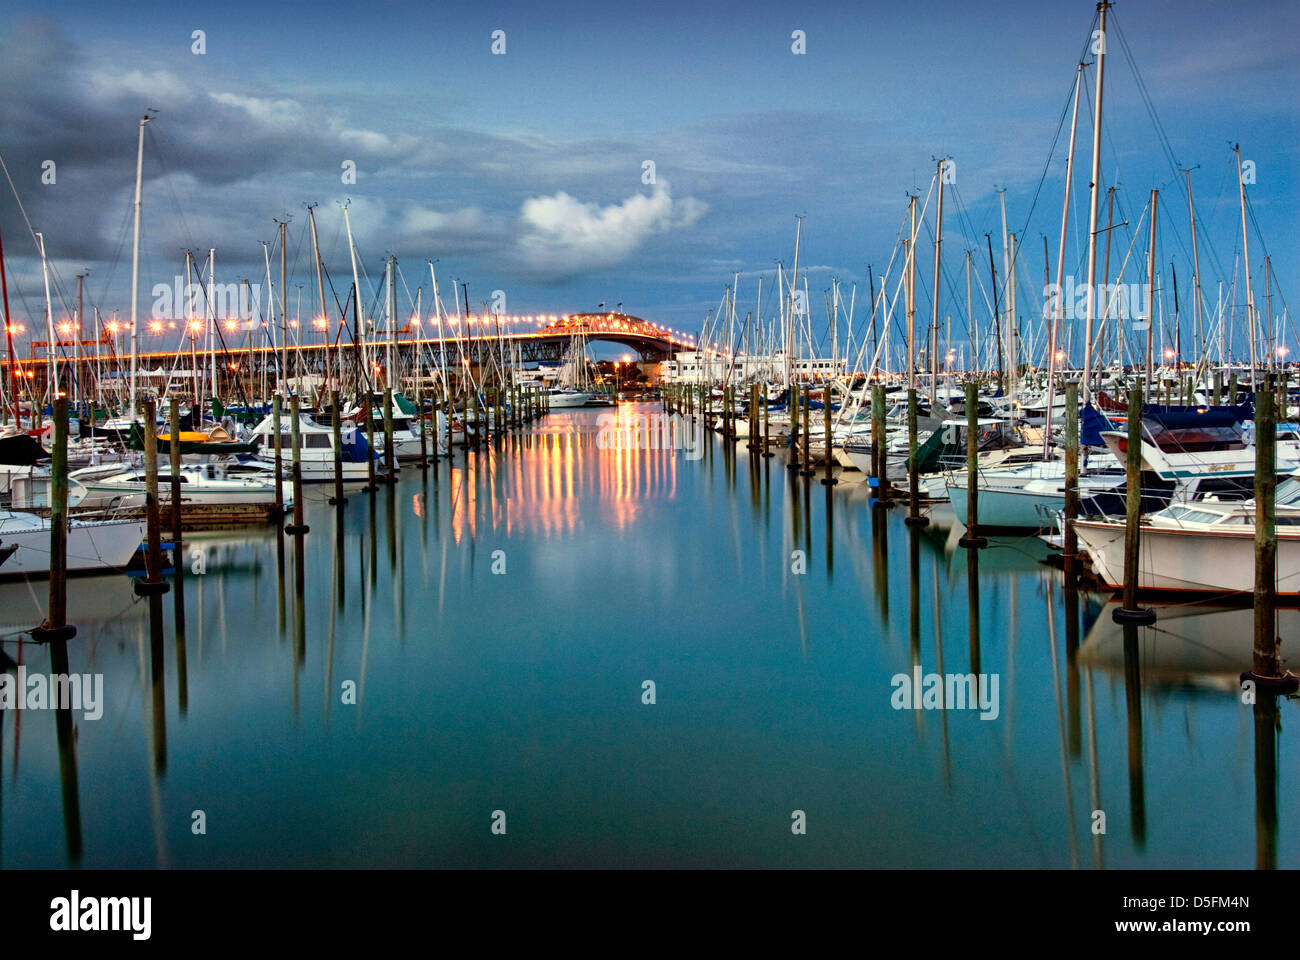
{"x": 1250, "y": 210}
{"x": 18, "y": 199}
{"x": 1147, "y": 102}
{"x": 166, "y": 178}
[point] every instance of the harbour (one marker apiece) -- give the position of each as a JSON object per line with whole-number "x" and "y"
{"x": 772, "y": 687}
{"x": 481, "y": 465}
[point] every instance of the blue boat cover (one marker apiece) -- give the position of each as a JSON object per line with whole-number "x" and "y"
{"x": 1183, "y": 417}
{"x": 358, "y": 451}
{"x": 1091, "y": 423}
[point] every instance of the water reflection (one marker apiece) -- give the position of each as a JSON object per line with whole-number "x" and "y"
{"x": 517, "y": 686}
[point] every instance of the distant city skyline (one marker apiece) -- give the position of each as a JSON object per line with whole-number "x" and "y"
{"x": 556, "y": 158}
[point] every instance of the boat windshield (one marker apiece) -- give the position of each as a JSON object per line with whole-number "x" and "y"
{"x": 1288, "y": 492}
{"x": 1191, "y": 439}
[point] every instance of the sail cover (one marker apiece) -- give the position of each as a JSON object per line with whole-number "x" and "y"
{"x": 1091, "y": 423}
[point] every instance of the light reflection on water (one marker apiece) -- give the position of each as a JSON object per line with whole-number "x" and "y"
{"x": 770, "y": 612}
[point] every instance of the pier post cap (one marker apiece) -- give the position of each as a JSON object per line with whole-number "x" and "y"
{"x": 44, "y": 634}
{"x": 1140, "y": 616}
{"x": 1287, "y": 683}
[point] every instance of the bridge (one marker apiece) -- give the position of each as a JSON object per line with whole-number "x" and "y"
{"x": 173, "y": 348}
{"x": 651, "y": 341}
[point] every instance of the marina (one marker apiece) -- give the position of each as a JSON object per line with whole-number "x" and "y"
{"x": 449, "y": 450}
{"x": 793, "y": 607}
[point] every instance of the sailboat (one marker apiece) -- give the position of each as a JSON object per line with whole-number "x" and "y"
{"x": 572, "y": 390}
{"x": 406, "y": 438}
{"x": 102, "y": 546}
{"x": 316, "y": 448}
{"x": 206, "y": 483}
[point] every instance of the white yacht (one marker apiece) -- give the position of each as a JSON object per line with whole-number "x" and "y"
{"x": 559, "y": 398}
{"x": 317, "y": 448}
{"x": 206, "y": 483}
{"x": 1206, "y": 546}
{"x": 104, "y": 546}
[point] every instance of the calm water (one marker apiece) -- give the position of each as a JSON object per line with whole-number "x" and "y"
{"x": 522, "y": 691}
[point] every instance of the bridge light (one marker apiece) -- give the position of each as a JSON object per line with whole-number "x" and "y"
{"x": 156, "y": 326}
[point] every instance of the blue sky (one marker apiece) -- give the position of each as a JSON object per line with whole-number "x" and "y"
{"x": 522, "y": 172}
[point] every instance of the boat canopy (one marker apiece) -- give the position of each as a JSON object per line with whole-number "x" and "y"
{"x": 21, "y": 450}
{"x": 136, "y": 442}
{"x": 1183, "y": 417}
{"x": 305, "y": 424}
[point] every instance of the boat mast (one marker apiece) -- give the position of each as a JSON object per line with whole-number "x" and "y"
{"x": 875, "y": 334}
{"x": 1245, "y": 253}
{"x": 835, "y": 324}
{"x": 911, "y": 294}
{"x": 1093, "y": 201}
{"x": 135, "y": 263}
{"x": 196, "y": 385}
{"x": 284, "y": 318}
{"x": 320, "y": 289}
{"x": 10, "y": 391}
{"x": 1007, "y": 317}
{"x": 1058, "y": 311}
{"x": 270, "y": 315}
{"x": 794, "y": 292}
{"x": 1268, "y": 312}
{"x": 972, "y": 327}
{"x": 1013, "y": 348}
{"x": 392, "y": 321}
{"x": 442, "y": 337}
{"x": 79, "y": 337}
{"x": 356, "y": 306}
{"x": 212, "y": 328}
{"x": 52, "y": 386}
{"x": 934, "y": 318}
{"x": 415, "y": 337}
{"x": 997, "y": 315}
{"x": 1151, "y": 287}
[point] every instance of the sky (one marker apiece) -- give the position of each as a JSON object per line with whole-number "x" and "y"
{"x": 525, "y": 171}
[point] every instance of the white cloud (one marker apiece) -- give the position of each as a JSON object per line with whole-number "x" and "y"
{"x": 417, "y": 222}
{"x": 281, "y": 112}
{"x": 564, "y": 236}
{"x": 158, "y": 86}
